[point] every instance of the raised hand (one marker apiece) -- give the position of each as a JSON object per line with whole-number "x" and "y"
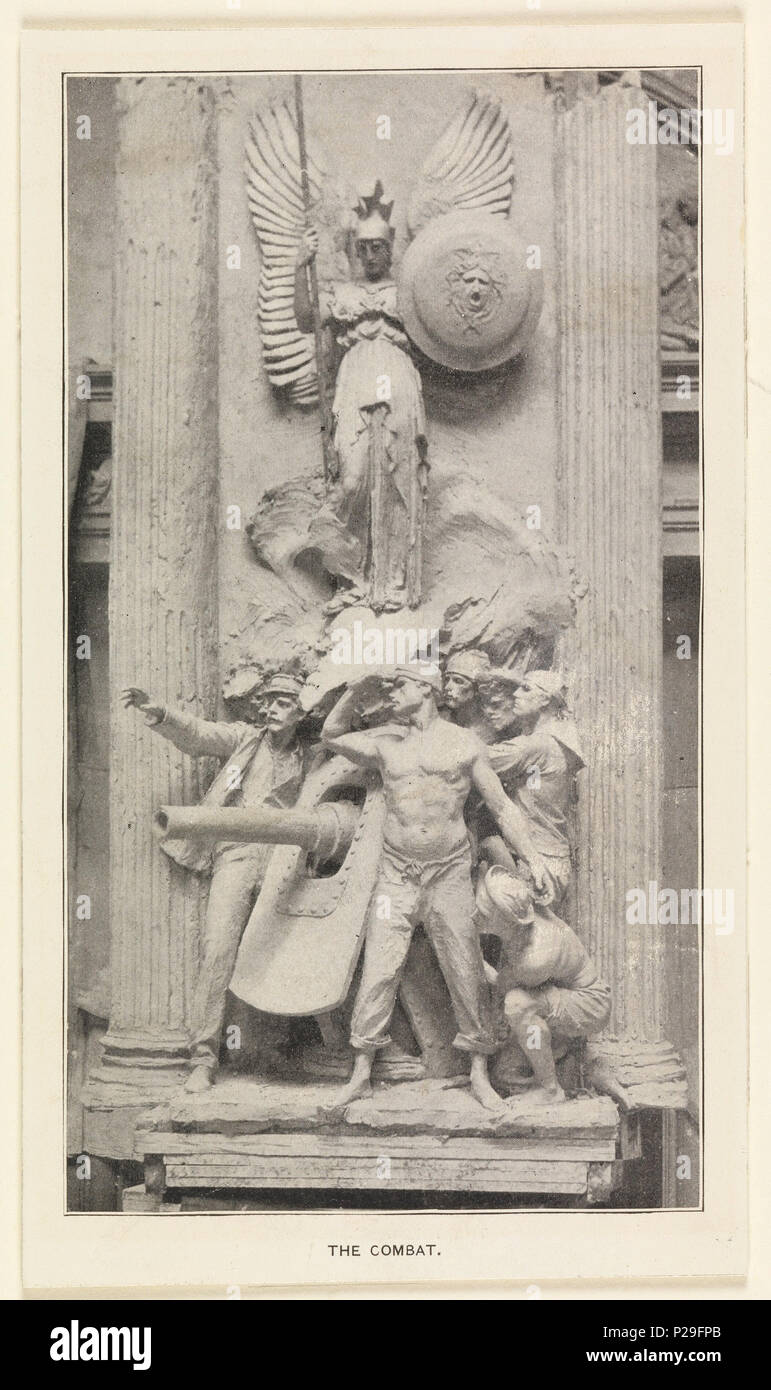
{"x": 370, "y": 692}
{"x": 134, "y": 697}
{"x": 537, "y": 869}
{"x": 308, "y": 248}
{"x": 371, "y": 682}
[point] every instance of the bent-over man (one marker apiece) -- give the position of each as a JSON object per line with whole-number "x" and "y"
{"x": 548, "y": 983}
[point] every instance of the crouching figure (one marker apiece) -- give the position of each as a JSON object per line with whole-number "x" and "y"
{"x": 546, "y": 983}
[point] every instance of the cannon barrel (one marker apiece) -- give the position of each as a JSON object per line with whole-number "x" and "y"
{"x": 325, "y": 831}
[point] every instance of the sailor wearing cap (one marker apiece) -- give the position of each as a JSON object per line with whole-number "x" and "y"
{"x": 262, "y": 764}
{"x": 462, "y": 674}
{"x": 537, "y": 761}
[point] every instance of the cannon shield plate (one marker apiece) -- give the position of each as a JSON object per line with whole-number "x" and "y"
{"x": 302, "y": 941}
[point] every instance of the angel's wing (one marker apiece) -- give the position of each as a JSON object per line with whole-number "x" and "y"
{"x": 276, "y": 203}
{"x": 470, "y": 167}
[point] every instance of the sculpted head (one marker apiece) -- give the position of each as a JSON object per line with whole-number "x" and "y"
{"x": 459, "y": 691}
{"x": 412, "y": 687}
{"x": 280, "y": 704}
{"x": 511, "y": 700}
{"x": 538, "y": 693}
{"x": 374, "y": 235}
{"x": 497, "y": 696}
{"x": 504, "y": 904}
{"x": 375, "y": 256}
{"x": 474, "y": 289}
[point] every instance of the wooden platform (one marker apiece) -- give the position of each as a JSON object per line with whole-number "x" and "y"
{"x": 430, "y": 1135}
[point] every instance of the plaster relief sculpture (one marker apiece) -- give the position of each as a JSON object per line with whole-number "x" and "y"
{"x": 375, "y": 446}
{"x": 380, "y": 463}
{"x": 468, "y": 297}
{"x": 354, "y": 544}
{"x": 678, "y": 274}
{"x": 350, "y": 535}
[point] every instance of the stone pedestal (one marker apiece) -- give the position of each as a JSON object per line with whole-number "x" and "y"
{"x": 610, "y": 519}
{"x": 251, "y": 1137}
{"x": 163, "y": 613}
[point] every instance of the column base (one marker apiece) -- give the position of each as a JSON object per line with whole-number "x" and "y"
{"x": 137, "y": 1066}
{"x": 638, "y": 1073}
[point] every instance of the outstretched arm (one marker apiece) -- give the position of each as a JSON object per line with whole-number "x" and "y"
{"x": 510, "y": 819}
{"x": 199, "y": 737}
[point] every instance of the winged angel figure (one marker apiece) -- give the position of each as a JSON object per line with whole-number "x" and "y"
{"x": 377, "y": 476}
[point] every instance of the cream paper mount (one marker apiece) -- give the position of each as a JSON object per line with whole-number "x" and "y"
{"x": 361, "y": 516}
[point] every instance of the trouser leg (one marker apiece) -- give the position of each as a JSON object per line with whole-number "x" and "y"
{"x": 525, "y": 1013}
{"x": 233, "y": 890}
{"x": 385, "y": 951}
{"x": 448, "y": 923}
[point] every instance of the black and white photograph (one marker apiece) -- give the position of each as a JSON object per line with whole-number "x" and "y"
{"x": 383, "y": 592}
{"x": 383, "y": 668}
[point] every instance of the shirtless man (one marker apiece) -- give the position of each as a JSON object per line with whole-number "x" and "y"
{"x": 428, "y": 766}
{"x": 547, "y": 981}
{"x": 462, "y": 674}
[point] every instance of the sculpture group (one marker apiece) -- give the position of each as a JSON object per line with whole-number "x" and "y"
{"x": 476, "y": 859}
{"x": 433, "y": 798}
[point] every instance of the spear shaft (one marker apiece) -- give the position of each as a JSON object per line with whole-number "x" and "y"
{"x": 313, "y": 289}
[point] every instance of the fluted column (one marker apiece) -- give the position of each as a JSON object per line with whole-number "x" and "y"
{"x": 610, "y": 506}
{"x": 163, "y": 613}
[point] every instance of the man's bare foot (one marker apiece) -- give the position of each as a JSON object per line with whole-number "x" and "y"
{"x": 360, "y": 1084}
{"x": 358, "y": 1091}
{"x": 543, "y": 1095}
{"x": 481, "y": 1089}
{"x": 199, "y": 1080}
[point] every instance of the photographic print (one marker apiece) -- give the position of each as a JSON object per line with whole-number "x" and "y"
{"x": 383, "y": 650}
{"x": 383, "y": 653}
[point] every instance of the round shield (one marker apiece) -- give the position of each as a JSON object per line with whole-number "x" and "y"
{"x": 466, "y": 293}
